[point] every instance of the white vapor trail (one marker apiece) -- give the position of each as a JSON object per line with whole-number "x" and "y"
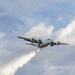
{"x": 14, "y": 65}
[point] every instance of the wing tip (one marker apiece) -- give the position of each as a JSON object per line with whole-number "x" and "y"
{"x": 18, "y": 37}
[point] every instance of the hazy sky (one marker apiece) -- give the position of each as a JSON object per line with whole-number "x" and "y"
{"x": 41, "y": 18}
{"x": 33, "y": 18}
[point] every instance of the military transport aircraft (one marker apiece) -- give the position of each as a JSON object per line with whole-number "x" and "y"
{"x": 41, "y": 44}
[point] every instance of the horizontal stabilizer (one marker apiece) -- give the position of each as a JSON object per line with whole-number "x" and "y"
{"x": 30, "y": 44}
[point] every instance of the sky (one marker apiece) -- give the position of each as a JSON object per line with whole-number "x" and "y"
{"x": 33, "y": 18}
{"x": 44, "y": 19}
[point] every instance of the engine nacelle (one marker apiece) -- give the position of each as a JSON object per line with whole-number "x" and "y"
{"x": 58, "y": 43}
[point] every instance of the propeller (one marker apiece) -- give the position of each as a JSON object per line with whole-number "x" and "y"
{"x": 32, "y": 40}
{"x": 58, "y": 43}
{"x": 52, "y": 43}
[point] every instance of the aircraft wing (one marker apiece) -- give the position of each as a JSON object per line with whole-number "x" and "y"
{"x": 57, "y": 43}
{"x": 63, "y": 43}
{"x": 27, "y": 39}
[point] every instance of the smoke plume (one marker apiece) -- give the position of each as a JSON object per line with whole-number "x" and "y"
{"x": 11, "y": 67}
